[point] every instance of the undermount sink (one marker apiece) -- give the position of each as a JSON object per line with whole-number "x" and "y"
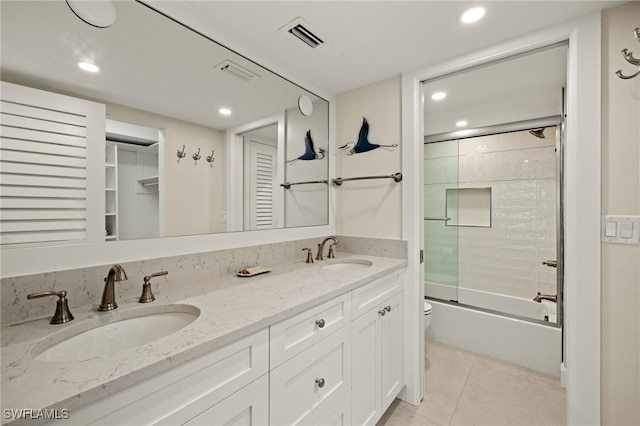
{"x": 113, "y": 332}
{"x": 346, "y": 264}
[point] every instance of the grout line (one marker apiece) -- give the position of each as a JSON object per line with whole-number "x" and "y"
{"x": 475, "y": 357}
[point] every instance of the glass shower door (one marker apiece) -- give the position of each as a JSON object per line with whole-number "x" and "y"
{"x": 441, "y": 241}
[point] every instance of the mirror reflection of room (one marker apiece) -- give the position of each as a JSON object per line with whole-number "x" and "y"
{"x": 192, "y": 93}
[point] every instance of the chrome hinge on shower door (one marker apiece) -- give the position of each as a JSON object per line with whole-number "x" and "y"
{"x": 421, "y": 256}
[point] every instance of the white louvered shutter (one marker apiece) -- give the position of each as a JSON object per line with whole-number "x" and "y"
{"x": 44, "y": 179}
{"x": 262, "y": 176}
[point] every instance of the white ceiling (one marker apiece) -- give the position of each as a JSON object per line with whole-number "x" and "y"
{"x": 373, "y": 40}
{"x": 147, "y": 62}
{"x": 367, "y": 41}
{"x": 522, "y": 88}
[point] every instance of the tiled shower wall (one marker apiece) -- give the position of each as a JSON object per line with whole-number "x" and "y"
{"x": 507, "y": 257}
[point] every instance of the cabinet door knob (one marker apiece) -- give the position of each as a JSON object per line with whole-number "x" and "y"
{"x": 387, "y": 308}
{"x": 382, "y": 312}
{"x": 320, "y": 383}
{"x": 320, "y": 323}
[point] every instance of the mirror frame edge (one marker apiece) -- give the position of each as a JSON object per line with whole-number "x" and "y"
{"x": 33, "y": 260}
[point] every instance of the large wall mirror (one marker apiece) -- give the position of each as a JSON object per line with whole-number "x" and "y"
{"x": 197, "y": 139}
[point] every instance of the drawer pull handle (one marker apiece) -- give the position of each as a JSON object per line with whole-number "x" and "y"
{"x": 320, "y": 383}
{"x": 387, "y": 308}
{"x": 320, "y": 323}
{"x": 382, "y": 312}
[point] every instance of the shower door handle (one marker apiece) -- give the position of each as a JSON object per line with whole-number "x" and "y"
{"x": 551, "y": 263}
{"x": 444, "y": 219}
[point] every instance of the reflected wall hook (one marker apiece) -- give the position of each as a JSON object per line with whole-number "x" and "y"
{"x": 181, "y": 154}
{"x": 197, "y": 155}
{"x": 210, "y": 158}
{"x": 628, "y": 56}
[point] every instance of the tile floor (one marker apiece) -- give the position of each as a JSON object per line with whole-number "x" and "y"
{"x": 464, "y": 388}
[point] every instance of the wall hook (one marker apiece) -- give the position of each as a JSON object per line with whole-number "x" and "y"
{"x": 181, "y": 154}
{"x": 197, "y": 155}
{"x": 210, "y": 158}
{"x": 628, "y": 56}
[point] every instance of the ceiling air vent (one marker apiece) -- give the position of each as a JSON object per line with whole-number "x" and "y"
{"x": 236, "y": 70}
{"x": 302, "y": 32}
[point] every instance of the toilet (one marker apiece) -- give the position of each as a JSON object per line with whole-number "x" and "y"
{"x": 427, "y": 316}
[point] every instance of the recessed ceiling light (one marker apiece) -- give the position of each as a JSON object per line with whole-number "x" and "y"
{"x": 437, "y": 96}
{"x": 224, "y": 111}
{"x": 472, "y": 15}
{"x": 89, "y": 67}
{"x": 461, "y": 123}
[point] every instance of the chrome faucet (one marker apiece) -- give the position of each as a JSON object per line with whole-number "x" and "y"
{"x": 116, "y": 273}
{"x": 540, "y": 297}
{"x": 320, "y": 256}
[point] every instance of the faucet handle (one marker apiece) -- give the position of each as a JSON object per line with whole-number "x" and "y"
{"x": 331, "y": 254}
{"x": 147, "y": 296}
{"x": 62, "y": 313}
{"x": 309, "y": 255}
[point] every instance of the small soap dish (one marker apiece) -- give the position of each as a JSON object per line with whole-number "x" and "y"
{"x": 251, "y": 272}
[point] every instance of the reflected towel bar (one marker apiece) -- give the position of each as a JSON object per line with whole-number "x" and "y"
{"x": 288, "y": 185}
{"x": 396, "y": 177}
{"x": 445, "y": 219}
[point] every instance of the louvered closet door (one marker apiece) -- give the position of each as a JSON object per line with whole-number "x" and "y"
{"x": 47, "y": 189}
{"x": 261, "y": 175}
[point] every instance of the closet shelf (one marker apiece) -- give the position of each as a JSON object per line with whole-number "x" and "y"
{"x": 149, "y": 181}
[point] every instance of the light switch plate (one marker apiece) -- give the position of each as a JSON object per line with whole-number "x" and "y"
{"x": 627, "y": 229}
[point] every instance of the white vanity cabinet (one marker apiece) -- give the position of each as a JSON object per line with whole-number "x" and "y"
{"x": 247, "y": 407}
{"x": 293, "y": 335}
{"x": 305, "y": 388}
{"x": 311, "y": 365}
{"x": 378, "y": 340}
{"x": 337, "y": 363}
{"x": 194, "y": 392}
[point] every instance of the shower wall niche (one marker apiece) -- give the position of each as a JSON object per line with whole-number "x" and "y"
{"x": 490, "y": 215}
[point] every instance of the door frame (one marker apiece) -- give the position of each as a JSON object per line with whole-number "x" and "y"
{"x": 235, "y": 162}
{"x": 582, "y": 207}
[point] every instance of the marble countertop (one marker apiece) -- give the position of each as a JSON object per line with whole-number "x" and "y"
{"x": 231, "y": 307}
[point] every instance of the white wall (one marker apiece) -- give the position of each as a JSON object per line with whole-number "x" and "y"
{"x": 620, "y": 196}
{"x": 306, "y": 205}
{"x": 370, "y": 208}
{"x": 195, "y": 191}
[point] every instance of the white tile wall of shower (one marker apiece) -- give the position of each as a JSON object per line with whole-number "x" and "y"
{"x": 507, "y": 257}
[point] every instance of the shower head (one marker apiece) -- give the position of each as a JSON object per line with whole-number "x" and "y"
{"x": 538, "y": 133}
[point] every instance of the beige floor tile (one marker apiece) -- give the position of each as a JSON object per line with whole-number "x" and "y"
{"x": 463, "y": 388}
{"x": 498, "y": 393}
{"x": 447, "y": 370}
{"x": 403, "y": 414}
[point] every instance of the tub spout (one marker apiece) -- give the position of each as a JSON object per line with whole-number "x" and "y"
{"x": 540, "y": 297}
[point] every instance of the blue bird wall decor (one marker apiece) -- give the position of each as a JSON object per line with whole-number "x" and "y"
{"x": 363, "y": 144}
{"x": 309, "y": 153}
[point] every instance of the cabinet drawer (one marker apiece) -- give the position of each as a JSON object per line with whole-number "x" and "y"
{"x": 248, "y": 407}
{"x": 339, "y": 415}
{"x": 303, "y": 389}
{"x": 295, "y": 334}
{"x": 181, "y": 393}
{"x": 371, "y": 295}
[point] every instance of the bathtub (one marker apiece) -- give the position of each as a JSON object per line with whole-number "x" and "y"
{"x": 510, "y": 305}
{"x": 534, "y": 345}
